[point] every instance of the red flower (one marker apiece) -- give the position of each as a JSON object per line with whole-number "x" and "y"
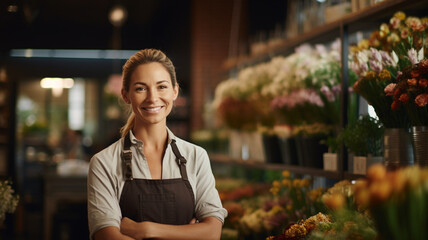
{"x": 395, "y": 105}
{"x": 421, "y": 100}
{"x": 423, "y": 82}
{"x": 414, "y": 74}
{"x": 397, "y": 93}
{"x": 404, "y": 98}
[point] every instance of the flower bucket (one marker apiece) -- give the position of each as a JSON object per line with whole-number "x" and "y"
{"x": 272, "y": 149}
{"x": 398, "y": 151}
{"x": 420, "y": 145}
{"x": 310, "y": 151}
{"x": 288, "y": 150}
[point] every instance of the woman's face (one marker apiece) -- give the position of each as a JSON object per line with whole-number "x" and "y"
{"x": 151, "y": 93}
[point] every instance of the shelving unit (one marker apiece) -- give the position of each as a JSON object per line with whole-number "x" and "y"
{"x": 337, "y": 175}
{"x": 365, "y": 19}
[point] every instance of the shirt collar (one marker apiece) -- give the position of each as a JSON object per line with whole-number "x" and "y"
{"x": 134, "y": 140}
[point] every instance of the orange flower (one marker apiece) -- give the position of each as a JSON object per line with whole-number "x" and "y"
{"x": 376, "y": 172}
{"x": 412, "y": 81}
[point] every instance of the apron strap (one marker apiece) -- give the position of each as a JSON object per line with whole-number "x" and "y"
{"x": 181, "y": 161}
{"x": 127, "y": 157}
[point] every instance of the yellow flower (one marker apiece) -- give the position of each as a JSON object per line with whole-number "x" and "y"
{"x": 289, "y": 207}
{"x": 305, "y": 182}
{"x": 286, "y": 174}
{"x": 371, "y": 75}
{"x": 384, "y": 30}
{"x": 380, "y": 191}
{"x": 274, "y": 190}
{"x": 276, "y": 184}
{"x": 376, "y": 172}
{"x": 286, "y": 183}
{"x": 296, "y": 183}
{"x": 334, "y": 201}
{"x": 393, "y": 38}
{"x": 400, "y": 15}
{"x": 363, "y": 44}
{"x": 295, "y": 231}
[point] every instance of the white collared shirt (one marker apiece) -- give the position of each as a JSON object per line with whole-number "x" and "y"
{"x": 106, "y": 180}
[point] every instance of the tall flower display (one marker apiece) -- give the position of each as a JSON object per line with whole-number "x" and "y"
{"x": 308, "y": 91}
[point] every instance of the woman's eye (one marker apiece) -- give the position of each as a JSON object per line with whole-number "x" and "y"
{"x": 162, "y": 87}
{"x": 140, "y": 89}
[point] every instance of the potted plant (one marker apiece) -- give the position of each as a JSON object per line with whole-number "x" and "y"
{"x": 364, "y": 140}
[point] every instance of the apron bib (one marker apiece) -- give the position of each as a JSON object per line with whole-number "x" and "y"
{"x": 167, "y": 201}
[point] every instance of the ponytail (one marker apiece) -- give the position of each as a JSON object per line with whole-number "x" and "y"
{"x": 128, "y": 126}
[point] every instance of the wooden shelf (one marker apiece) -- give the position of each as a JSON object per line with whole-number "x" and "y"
{"x": 356, "y": 20}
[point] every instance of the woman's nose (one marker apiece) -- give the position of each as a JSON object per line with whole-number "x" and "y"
{"x": 152, "y": 95}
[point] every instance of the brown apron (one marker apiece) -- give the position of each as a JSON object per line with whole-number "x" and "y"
{"x": 167, "y": 201}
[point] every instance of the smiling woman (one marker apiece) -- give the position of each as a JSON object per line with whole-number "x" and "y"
{"x": 150, "y": 183}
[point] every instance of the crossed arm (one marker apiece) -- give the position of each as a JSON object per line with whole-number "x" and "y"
{"x": 209, "y": 228}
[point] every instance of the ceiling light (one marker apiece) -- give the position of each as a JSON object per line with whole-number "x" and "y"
{"x": 118, "y": 15}
{"x": 57, "y": 84}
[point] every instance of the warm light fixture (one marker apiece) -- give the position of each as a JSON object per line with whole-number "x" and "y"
{"x": 118, "y": 15}
{"x": 57, "y": 84}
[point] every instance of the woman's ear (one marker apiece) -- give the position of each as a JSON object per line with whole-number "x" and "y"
{"x": 124, "y": 96}
{"x": 176, "y": 91}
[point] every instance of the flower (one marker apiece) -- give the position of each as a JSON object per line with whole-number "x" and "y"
{"x": 8, "y": 200}
{"x": 411, "y": 93}
{"x": 396, "y": 200}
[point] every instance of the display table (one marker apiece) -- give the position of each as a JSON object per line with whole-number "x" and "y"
{"x": 57, "y": 188}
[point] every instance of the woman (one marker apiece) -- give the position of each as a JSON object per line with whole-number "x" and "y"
{"x": 151, "y": 184}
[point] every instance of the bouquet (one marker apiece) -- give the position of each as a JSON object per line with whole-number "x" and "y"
{"x": 411, "y": 93}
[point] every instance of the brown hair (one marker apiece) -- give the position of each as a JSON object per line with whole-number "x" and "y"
{"x": 143, "y": 57}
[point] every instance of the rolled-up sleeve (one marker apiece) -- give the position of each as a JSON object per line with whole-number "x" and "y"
{"x": 103, "y": 206}
{"x": 208, "y": 203}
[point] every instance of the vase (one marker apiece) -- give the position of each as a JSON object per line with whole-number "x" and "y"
{"x": 288, "y": 150}
{"x": 420, "y": 145}
{"x": 398, "y": 151}
{"x": 272, "y": 149}
{"x": 310, "y": 151}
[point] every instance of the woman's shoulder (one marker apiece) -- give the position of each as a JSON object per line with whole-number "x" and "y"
{"x": 188, "y": 146}
{"x": 111, "y": 154}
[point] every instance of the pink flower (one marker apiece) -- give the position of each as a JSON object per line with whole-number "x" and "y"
{"x": 422, "y": 100}
{"x": 389, "y": 90}
{"x": 413, "y": 56}
{"x": 395, "y": 22}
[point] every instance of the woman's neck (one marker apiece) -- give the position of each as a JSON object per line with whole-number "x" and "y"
{"x": 154, "y": 136}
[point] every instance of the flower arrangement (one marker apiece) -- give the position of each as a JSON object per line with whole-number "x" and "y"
{"x": 295, "y": 193}
{"x": 380, "y": 62}
{"x": 396, "y": 200}
{"x": 316, "y": 98}
{"x": 411, "y": 92}
{"x": 8, "y": 200}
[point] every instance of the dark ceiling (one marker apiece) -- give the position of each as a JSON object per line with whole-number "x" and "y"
{"x": 84, "y": 24}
